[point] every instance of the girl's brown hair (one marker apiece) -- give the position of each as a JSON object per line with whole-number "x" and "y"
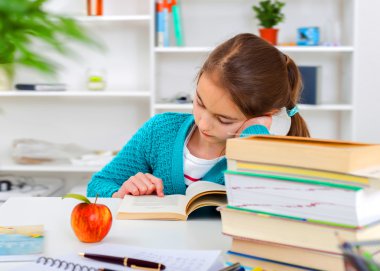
{"x": 258, "y": 76}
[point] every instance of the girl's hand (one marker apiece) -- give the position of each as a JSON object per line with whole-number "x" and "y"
{"x": 140, "y": 184}
{"x": 263, "y": 120}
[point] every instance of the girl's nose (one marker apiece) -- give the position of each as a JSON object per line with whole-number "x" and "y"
{"x": 205, "y": 122}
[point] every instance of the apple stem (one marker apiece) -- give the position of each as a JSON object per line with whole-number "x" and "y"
{"x": 96, "y": 198}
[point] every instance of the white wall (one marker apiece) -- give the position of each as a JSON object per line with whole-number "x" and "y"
{"x": 367, "y": 71}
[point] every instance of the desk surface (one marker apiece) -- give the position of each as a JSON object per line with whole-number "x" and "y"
{"x": 54, "y": 213}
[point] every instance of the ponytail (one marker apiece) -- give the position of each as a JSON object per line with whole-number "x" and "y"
{"x": 298, "y": 125}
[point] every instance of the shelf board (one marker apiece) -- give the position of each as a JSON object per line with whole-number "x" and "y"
{"x": 326, "y": 107}
{"x": 317, "y": 49}
{"x": 48, "y": 168}
{"x": 112, "y": 18}
{"x": 169, "y": 106}
{"x": 134, "y": 94}
{"x": 306, "y": 107}
{"x": 300, "y": 49}
{"x": 183, "y": 49}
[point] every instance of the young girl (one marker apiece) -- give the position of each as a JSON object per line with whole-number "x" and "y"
{"x": 241, "y": 85}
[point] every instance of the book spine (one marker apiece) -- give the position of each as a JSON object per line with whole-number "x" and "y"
{"x": 270, "y": 261}
{"x": 166, "y": 13}
{"x": 40, "y": 87}
{"x": 177, "y": 23}
{"x": 309, "y": 80}
{"x": 160, "y": 23}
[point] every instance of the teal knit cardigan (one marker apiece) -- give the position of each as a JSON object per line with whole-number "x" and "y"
{"x": 156, "y": 148}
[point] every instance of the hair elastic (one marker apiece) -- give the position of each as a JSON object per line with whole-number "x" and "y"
{"x": 292, "y": 111}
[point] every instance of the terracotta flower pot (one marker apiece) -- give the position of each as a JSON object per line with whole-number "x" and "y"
{"x": 269, "y": 34}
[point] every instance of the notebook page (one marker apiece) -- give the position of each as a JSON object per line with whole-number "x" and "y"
{"x": 174, "y": 260}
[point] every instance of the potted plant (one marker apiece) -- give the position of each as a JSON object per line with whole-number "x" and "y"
{"x": 24, "y": 23}
{"x": 268, "y": 12}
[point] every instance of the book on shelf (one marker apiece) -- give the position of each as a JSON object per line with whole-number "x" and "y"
{"x": 255, "y": 263}
{"x": 176, "y": 11}
{"x": 163, "y": 12}
{"x": 284, "y": 253}
{"x": 173, "y": 207}
{"x": 292, "y": 231}
{"x": 21, "y": 243}
{"x": 323, "y": 154}
{"x": 369, "y": 177}
{"x": 40, "y": 87}
{"x": 160, "y": 23}
{"x": 166, "y": 22}
{"x": 310, "y": 82}
{"x": 320, "y": 201}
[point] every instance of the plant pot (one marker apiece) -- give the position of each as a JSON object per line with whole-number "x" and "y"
{"x": 269, "y": 34}
{"x": 6, "y": 76}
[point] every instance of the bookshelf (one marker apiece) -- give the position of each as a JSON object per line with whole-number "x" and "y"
{"x": 141, "y": 77}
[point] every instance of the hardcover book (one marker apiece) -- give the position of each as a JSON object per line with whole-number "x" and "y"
{"x": 173, "y": 207}
{"x": 340, "y": 204}
{"x": 285, "y": 254}
{"x": 292, "y": 232}
{"x": 322, "y": 154}
{"x": 369, "y": 177}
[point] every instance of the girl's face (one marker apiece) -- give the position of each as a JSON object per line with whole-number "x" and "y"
{"x": 215, "y": 114}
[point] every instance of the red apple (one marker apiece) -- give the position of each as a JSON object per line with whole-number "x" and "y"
{"x": 90, "y": 221}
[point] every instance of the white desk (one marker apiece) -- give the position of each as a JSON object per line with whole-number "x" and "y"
{"x": 54, "y": 214}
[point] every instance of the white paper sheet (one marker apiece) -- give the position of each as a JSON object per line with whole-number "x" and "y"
{"x": 174, "y": 260}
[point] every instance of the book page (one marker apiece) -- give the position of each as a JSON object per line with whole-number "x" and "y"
{"x": 203, "y": 186}
{"x": 203, "y": 193}
{"x": 151, "y": 204}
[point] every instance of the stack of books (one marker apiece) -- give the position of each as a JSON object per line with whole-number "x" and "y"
{"x": 292, "y": 200}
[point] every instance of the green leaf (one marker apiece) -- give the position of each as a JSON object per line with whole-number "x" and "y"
{"x": 24, "y": 23}
{"x": 77, "y": 196}
{"x": 268, "y": 12}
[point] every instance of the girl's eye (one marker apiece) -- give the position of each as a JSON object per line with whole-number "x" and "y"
{"x": 224, "y": 122}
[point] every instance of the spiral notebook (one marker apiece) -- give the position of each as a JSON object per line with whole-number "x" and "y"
{"x": 173, "y": 259}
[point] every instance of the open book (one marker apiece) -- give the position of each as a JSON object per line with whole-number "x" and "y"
{"x": 173, "y": 207}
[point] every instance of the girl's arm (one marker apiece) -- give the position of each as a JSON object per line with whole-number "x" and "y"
{"x": 132, "y": 159}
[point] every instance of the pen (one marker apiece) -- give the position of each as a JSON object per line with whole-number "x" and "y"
{"x": 233, "y": 267}
{"x": 125, "y": 261}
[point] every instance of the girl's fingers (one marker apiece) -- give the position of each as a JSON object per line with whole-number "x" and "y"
{"x": 131, "y": 188}
{"x": 149, "y": 185}
{"x": 159, "y": 187}
{"x": 141, "y": 184}
{"x": 139, "y": 181}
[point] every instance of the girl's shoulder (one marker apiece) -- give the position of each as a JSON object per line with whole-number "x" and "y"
{"x": 171, "y": 118}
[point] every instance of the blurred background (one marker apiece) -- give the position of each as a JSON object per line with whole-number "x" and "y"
{"x": 78, "y": 78}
